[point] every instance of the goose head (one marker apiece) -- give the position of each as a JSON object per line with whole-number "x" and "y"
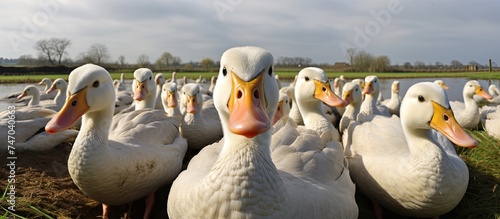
{"x": 90, "y": 90}
{"x": 117, "y": 84}
{"x": 143, "y": 85}
{"x": 47, "y": 82}
{"x": 191, "y": 99}
{"x": 59, "y": 84}
{"x": 395, "y": 87}
{"x": 169, "y": 95}
{"x": 442, "y": 84}
{"x": 372, "y": 85}
{"x": 426, "y": 106}
{"x": 493, "y": 90}
{"x": 283, "y": 107}
{"x": 29, "y": 90}
{"x": 159, "y": 79}
{"x": 144, "y": 88}
{"x": 312, "y": 87}
{"x": 472, "y": 88}
{"x": 352, "y": 94}
{"x": 246, "y": 95}
{"x": 338, "y": 84}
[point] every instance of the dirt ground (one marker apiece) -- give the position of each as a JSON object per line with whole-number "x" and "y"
{"x": 43, "y": 182}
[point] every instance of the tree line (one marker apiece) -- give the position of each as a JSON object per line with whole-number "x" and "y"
{"x": 53, "y": 51}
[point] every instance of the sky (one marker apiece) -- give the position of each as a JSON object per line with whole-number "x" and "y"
{"x": 403, "y": 30}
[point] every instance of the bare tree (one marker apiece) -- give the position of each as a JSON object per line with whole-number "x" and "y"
{"x": 362, "y": 61}
{"x": 456, "y": 64}
{"x": 381, "y": 64}
{"x": 167, "y": 60}
{"x": 407, "y": 65}
{"x": 52, "y": 49}
{"x": 351, "y": 52}
{"x": 164, "y": 60}
{"x": 98, "y": 53}
{"x": 121, "y": 60}
{"x": 59, "y": 46}
{"x": 207, "y": 63}
{"x": 419, "y": 65}
{"x": 45, "y": 50}
{"x": 143, "y": 60}
{"x": 26, "y": 60}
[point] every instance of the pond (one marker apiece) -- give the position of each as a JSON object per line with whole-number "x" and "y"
{"x": 454, "y": 93}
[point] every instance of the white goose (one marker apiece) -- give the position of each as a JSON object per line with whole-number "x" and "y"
{"x": 294, "y": 109}
{"x": 490, "y": 120}
{"x": 123, "y": 97}
{"x": 394, "y": 103}
{"x": 61, "y": 86}
{"x": 352, "y": 96}
{"x": 370, "y": 103}
{"x": 281, "y": 117}
{"x": 239, "y": 177}
{"x": 495, "y": 93}
{"x": 467, "y": 112}
{"x": 44, "y": 95}
{"x": 442, "y": 84}
{"x": 169, "y": 99}
{"x": 33, "y": 91}
{"x": 29, "y": 130}
{"x": 123, "y": 168}
{"x": 159, "y": 81}
{"x": 144, "y": 88}
{"x": 211, "y": 88}
{"x": 199, "y": 130}
{"x": 493, "y": 90}
{"x": 312, "y": 89}
{"x": 399, "y": 164}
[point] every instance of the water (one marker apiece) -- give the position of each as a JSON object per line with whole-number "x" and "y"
{"x": 454, "y": 93}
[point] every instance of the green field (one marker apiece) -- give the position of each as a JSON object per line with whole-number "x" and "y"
{"x": 283, "y": 74}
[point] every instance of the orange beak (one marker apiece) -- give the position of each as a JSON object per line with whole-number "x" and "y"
{"x": 191, "y": 106}
{"x": 481, "y": 92}
{"x": 347, "y": 97}
{"x": 324, "y": 93}
{"x": 73, "y": 109}
{"x": 141, "y": 90}
{"x": 444, "y": 121}
{"x": 368, "y": 88}
{"x": 52, "y": 88}
{"x": 247, "y": 115}
{"x": 171, "y": 101}
{"x": 23, "y": 94}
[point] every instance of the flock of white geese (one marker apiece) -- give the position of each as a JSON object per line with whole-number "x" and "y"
{"x": 264, "y": 152}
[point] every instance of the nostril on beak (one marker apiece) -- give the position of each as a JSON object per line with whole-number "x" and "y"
{"x": 256, "y": 94}
{"x": 239, "y": 94}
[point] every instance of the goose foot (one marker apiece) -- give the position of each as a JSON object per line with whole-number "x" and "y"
{"x": 105, "y": 211}
{"x": 150, "y": 200}
{"x": 377, "y": 210}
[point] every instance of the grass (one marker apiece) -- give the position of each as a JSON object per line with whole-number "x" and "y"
{"x": 283, "y": 74}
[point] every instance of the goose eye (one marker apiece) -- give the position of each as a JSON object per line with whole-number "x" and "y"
{"x": 270, "y": 71}
{"x": 224, "y": 71}
{"x": 356, "y": 89}
{"x": 95, "y": 84}
{"x": 306, "y": 78}
{"x": 150, "y": 78}
{"x": 421, "y": 99}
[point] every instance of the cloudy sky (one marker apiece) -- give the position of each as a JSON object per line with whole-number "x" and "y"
{"x": 404, "y": 30}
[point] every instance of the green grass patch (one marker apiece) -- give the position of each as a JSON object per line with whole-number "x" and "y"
{"x": 285, "y": 74}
